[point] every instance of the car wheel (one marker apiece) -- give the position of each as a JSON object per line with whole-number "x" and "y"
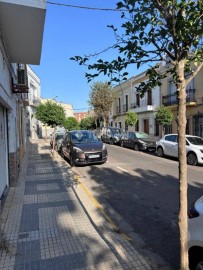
{"x": 192, "y": 159}
{"x": 136, "y": 147}
{"x": 62, "y": 154}
{"x": 122, "y": 144}
{"x": 72, "y": 164}
{"x": 160, "y": 152}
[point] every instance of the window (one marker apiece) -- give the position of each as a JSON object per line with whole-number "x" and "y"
{"x": 171, "y": 138}
{"x": 138, "y": 100}
{"x": 149, "y": 97}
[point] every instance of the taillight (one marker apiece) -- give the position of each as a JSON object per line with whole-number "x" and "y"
{"x": 193, "y": 213}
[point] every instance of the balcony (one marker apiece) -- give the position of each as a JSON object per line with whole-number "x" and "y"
{"x": 118, "y": 109}
{"x": 172, "y": 99}
{"x": 34, "y": 101}
{"x": 22, "y": 27}
{"x": 125, "y": 108}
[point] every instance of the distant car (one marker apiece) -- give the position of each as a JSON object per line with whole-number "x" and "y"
{"x": 111, "y": 135}
{"x": 82, "y": 147}
{"x": 195, "y": 237}
{"x": 138, "y": 141}
{"x": 168, "y": 146}
{"x": 58, "y": 140}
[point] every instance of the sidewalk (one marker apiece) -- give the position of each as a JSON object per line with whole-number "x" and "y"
{"x": 50, "y": 223}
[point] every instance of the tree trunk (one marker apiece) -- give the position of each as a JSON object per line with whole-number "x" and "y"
{"x": 181, "y": 119}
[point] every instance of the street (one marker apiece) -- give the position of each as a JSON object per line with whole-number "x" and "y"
{"x": 144, "y": 190}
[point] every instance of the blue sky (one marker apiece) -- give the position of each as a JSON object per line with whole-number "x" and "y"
{"x": 69, "y": 32}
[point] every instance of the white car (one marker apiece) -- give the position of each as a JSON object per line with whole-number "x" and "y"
{"x": 168, "y": 146}
{"x": 195, "y": 227}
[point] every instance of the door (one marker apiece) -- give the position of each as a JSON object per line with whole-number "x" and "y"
{"x": 3, "y": 151}
{"x": 146, "y": 125}
{"x": 171, "y": 145}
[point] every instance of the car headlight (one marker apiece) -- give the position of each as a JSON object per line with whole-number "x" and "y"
{"x": 104, "y": 147}
{"x": 77, "y": 150}
{"x": 201, "y": 150}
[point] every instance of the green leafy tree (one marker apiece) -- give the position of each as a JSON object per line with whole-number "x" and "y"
{"x": 52, "y": 114}
{"x": 155, "y": 31}
{"x": 87, "y": 123}
{"x": 71, "y": 123}
{"x": 131, "y": 118}
{"x": 100, "y": 99}
{"x": 164, "y": 117}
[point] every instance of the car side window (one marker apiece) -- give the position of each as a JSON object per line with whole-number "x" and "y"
{"x": 109, "y": 132}
{"x": 171, "y": 138}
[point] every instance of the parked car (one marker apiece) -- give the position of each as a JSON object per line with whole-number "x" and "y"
{"x": 83, "y": 147}
{"x": 138, "y": 141}
{"x": 111, "y": 135}
{"x": 59, "y": 136}
{"x": 195, "y": 237}
{"x": 168, "y": 146}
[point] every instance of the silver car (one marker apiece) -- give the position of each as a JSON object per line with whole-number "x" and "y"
{"x": 168, "y": 146}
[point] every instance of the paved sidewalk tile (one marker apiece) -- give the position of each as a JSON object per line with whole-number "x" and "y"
{"x": 51, "y": 224}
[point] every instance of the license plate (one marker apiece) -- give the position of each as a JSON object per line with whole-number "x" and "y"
{"x": 94, "y": 156}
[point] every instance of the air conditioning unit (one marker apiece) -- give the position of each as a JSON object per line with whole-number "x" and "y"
{"x": 21, "y": 85}
{"x": 21, "y": 75}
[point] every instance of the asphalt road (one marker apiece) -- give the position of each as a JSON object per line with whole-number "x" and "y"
{"x": 144, "y": 190}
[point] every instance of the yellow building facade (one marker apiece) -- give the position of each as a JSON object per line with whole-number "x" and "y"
{"x": 194, "y": 104}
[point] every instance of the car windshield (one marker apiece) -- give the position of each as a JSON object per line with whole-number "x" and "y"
{"x": 195, "y": 140}
{"x": 83, "y": 137}
{"x": 141, "y": 135}
{"x": 116, "y": 131}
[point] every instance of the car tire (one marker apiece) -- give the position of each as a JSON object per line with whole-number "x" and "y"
{"x": 62, "y": 154}
{"x": 160, "y": 152}
{"x": 136, "y": 147}
{"x": 122, "y": 144}
{"x": 191, "y": 159}
{"x": 72, "y": 164}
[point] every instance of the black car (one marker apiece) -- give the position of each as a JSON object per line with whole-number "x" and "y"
{"x": 138, "y": 141}
{"x": 111, "y": 135}
{"x": 83, "y": 147}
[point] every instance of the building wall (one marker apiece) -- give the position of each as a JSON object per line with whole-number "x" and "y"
{"x": 194, "y": 108}
{"x": 146, "y": 113}
{"x": 80, "y": 115}
{"x": 33, "y": 126}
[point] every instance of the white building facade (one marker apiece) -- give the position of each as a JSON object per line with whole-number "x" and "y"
{"x": 128, "y": 99}
{"x": 21, "y": 33}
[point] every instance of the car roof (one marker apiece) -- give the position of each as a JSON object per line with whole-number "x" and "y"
{"x": 187, "y": 135}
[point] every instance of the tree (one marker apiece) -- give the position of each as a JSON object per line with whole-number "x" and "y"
{"x": 52, "y": 114}
{"x": 155, "y": 31}
{"x": 100, "y": 99}
{"x": 87, "y": 123}
{"x": 71, "y": 123}
{"x": 131, "y": 118}
{"x": 164, "y": 117}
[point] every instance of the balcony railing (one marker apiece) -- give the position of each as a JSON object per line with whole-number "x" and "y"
{"x": 172, "y": 99}
{"x": 125, "y": 107}
{"x": 118, "y": 109}
{"x": 34, "y": 101}
{"x": 142, "y": 103}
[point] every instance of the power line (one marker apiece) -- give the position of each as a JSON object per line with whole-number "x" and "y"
{"x": 85, "y": 7}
